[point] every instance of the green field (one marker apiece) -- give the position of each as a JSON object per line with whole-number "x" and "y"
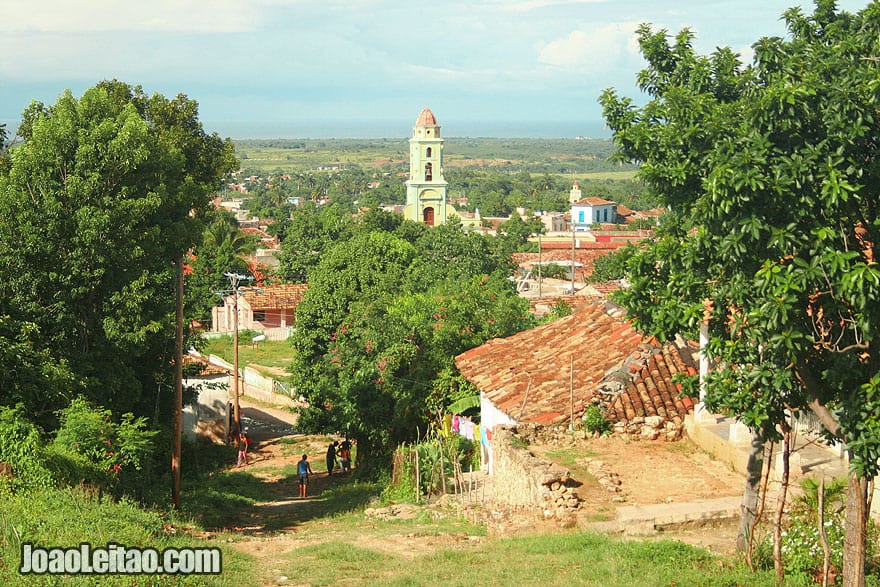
{"x": 569, "y": 156}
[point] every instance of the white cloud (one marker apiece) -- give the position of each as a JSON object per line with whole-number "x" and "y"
{"x": 62, "y": 16}
{"x": 596, "y": 49}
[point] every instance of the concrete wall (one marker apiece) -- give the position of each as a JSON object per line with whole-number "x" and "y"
{"x": 209, "y": 416}
{"x": 254, "y": 384}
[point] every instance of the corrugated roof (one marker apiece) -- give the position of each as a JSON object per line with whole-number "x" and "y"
{"x": 528, "y": 375}
{"x": 275, "y": 297}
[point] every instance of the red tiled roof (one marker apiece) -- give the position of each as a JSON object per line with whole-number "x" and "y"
{"x": 205, "y": 367}
{"x": 426, "y": 118}
{"x": 528, "y": 375}
{"x": 592, "y": 201}
{"x": 275, "y": 297}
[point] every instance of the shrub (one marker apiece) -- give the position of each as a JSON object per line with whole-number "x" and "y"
{"x": 595, "y": 422}
{"x": 113, "y": 450}
{"x": 22, "y": 450}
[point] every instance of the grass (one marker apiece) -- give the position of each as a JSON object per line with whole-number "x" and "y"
{"x": 68, "y": 517}
{"x": 564, "y": 559}
{"x": 274, "y": 354}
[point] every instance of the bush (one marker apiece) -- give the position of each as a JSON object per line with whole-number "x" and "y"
{"x": 436, "y": 460}
{"x": 113, "y": 450}
{"x": 22, "y": 450}
{"x": 595, "y": 422}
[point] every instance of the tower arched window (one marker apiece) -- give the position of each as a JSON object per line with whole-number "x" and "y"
{"x": 428, "y": 152}
{"x": 429, "y": 172}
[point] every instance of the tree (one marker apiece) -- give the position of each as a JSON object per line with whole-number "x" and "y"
{"x": 101, "y": 199}
{"x": 312, "y": 231}
{"x": 771, "y": 173}
{"x": 222, "y": 251}
{"x": 384, "y": 316}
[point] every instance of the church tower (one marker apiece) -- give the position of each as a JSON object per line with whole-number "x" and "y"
{"x": 426, "y": 188}
{"x": 575, "y": 195}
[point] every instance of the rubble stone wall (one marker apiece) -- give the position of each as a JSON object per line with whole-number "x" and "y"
{"x": 522, "y": 480}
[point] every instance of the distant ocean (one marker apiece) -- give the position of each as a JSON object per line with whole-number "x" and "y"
{"x": 392, "y": 129}
{"x": 381, "y": 129}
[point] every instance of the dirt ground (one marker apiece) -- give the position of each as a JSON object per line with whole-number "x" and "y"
{"x": 650, "y": 472}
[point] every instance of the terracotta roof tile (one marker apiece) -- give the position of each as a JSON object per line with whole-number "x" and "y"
{"x": 528, "y": 375}
{"x": 275, "y": 297}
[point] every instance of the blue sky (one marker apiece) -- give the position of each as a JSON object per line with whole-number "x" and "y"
{"x": 277, "y": 64}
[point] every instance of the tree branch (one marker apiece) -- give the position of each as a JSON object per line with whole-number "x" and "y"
{"x": 811, "y": 384}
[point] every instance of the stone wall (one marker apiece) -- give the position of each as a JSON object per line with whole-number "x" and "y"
{"x": 524, "y": 481}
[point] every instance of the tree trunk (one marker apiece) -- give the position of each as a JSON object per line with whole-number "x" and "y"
{"x": 780, "y": 510}
{"x": 856, "y": 528}
{"x": 823, "y": 536}
{"x": 752, "y": 492}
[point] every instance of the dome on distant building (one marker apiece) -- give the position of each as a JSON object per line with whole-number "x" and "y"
{"x": 426, "y": 118}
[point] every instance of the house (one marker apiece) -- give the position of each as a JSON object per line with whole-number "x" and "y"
{"x": 589, "y": 211}
{"x": 209, "y": 414}
{"x": 270, "y": 307}
{"x": 550, "y": 374}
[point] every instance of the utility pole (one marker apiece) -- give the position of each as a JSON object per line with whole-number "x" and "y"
{"x": 572, "y": 255}
{"x": 540, "y": 262}
{"x": 234, "y": 280}
{"x": 178, "y": 386}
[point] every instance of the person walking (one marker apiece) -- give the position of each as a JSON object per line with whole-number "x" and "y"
{"x": 242, "y": 449}
{"x": 345, "y": 455}
{"x": 303, "y": 470}
{"x": 331, "y": 457}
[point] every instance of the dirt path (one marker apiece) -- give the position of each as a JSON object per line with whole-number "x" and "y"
{"x": 649, "y": 473}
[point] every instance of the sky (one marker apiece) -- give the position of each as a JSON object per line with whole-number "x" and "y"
{"x": 273, "y": 68}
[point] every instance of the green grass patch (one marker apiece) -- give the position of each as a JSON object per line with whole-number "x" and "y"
{"x": 277, "y": 354}
{"x": 628, "y": 175}
{"x": 554, "y": 559}
{"x": 68, "y": 517}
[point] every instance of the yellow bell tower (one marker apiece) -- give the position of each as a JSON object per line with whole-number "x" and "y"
{"x": 426, "y": 188}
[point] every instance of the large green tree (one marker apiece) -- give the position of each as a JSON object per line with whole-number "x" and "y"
{"x": 771, "y": 174}
{"x": 101, "y": 200}
{"x": 384, "y": 316}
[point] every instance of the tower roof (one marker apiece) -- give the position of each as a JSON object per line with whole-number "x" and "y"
{"x": 426, "y": 118}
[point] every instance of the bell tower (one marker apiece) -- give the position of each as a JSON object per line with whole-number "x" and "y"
{"x": 426, "y": 188}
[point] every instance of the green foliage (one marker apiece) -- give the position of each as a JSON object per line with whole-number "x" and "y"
{"x": 22, "y": 449}
{"x": 102, "y": 197}
{"x": 114, "y": 449}
{"x": 560, "y": 309}
{"x": 612, "y": 266}
{"x": 384, "y": 316}
{"x": 553, "y": 271}
{"x": 439, "y": 459}
{"x": 70, "y": 516}
{"x": 770, "y": 176}
{"x": 595, "y": 421}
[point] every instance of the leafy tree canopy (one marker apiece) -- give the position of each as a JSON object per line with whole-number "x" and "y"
{"x": 771, "y": 173}
{"x": 102, "y": 197}
{"x": 382, "y": 320}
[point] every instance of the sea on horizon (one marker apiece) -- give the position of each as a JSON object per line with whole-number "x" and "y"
{"x": 391, "y": 129}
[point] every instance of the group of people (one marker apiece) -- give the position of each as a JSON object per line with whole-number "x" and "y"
{"x": 342, "y": 450}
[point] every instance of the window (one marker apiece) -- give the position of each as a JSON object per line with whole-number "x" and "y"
{"x": 428, "y": 172}
{"x": 605, "y": 215}
{"x": 580, "y": 216}
{"x": 428, "y": 152}
{"x": 259, "y": 315}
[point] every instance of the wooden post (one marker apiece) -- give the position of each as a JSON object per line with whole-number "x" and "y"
{"x": 178, "y": 386}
